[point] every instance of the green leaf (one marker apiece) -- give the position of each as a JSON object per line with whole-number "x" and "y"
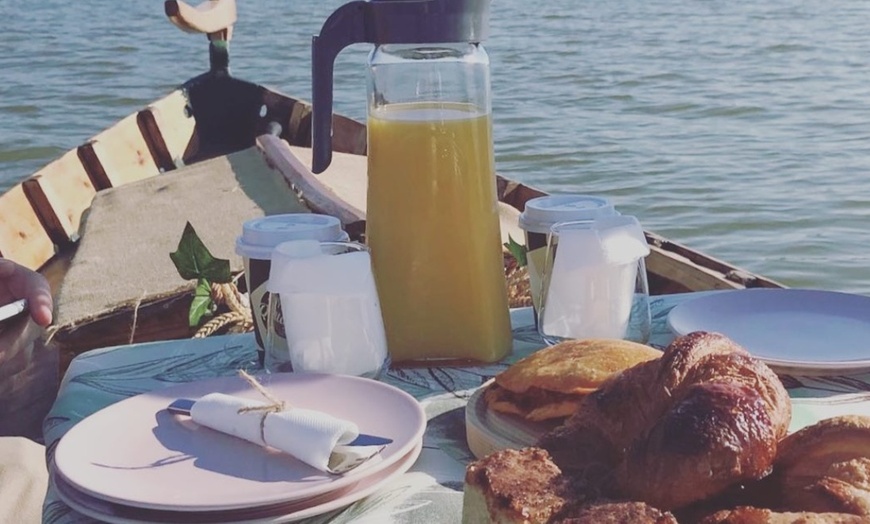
{"x": 517, "y": 250}
{"x": 194, "y": 261}
{"x": 202, "y": 303}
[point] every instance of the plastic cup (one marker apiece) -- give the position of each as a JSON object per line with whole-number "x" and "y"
{"x": 332, "y": 316}
{"x": 540, "y": 215}
{"x": 594, "y": 282}
{"x": 259, "y": 237}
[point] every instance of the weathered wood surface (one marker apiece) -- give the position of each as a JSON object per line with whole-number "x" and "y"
{"x": 22, "y": 236}
{"x": 61, "y": 192}
{"x": 317, "y": 195}
{"x": 168, "y": 128}
{"x": 119, "y": 155}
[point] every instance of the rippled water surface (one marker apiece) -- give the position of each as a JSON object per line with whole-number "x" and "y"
{"x": 739, "y": 128}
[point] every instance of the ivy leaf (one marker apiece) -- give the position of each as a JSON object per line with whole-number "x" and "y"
{"x": 194, "y": 261}
{"x": 202, "y": 303}
{"x": 517, "y": 250}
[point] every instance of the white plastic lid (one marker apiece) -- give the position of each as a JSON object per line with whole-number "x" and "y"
{"x": 301, "y": 266}
{"x": 261, "y": 235}
{"x": 543, "y": 212}
{"x": 613, "y": 240}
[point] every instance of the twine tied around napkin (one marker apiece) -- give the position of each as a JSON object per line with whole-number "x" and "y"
{"x": 316, "y": 438}
{"x": 277, "y": 405}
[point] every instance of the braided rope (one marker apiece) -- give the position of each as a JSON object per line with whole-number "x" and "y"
{"x": 238, "y": 318}
{"x": 218, "y": 322}
{"x": 517, "y": 280}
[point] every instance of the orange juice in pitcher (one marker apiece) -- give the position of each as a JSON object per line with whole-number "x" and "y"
{"x": 432, "y": 220}
{"x": 433, "y": 230}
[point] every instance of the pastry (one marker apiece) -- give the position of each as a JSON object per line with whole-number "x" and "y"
{"x": 515, "y": 486}
{"x": 681, "y": 428}
{"x": 526, "y": 487}
{"x": 826, "y": 467}
{"x": 551, "y": 383}
{"x": 749, "y": 515}
{"x": 617, "y": 513}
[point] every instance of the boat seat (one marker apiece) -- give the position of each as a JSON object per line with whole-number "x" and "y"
{"x": 123, "y": 263}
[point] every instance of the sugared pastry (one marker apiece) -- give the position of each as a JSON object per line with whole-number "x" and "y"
{"x": 551, "y": 383}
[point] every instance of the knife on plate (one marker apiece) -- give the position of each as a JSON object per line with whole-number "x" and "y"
{"x": 182, "y": 406}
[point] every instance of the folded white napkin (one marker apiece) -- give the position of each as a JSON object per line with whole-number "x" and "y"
{"x": 314, "y": 437}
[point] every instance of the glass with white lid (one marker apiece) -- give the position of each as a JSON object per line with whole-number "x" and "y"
{"x": 540, "y": 214}
{"x": 259, "y": 237}
{"x": 594, "y": 281}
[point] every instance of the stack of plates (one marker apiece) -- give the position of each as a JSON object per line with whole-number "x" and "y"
{"x": 799, "y": 331}
{"x": 134, "y": 462}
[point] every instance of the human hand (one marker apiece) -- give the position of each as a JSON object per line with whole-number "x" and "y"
{"x": 18, "y": 282}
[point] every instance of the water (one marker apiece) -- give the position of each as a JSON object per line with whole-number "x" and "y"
{"x": 741, "y": 128}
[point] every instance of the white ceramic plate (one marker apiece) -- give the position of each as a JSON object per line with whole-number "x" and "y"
{"x": 135, "y": 453}
{"x": 291, "y": 512}
{"x": 790, "y": 329}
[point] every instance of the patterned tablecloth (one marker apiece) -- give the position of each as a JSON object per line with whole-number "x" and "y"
{"x": 431, "y": 491}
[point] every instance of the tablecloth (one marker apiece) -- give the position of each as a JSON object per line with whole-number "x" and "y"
{"x": 431, "y": 491}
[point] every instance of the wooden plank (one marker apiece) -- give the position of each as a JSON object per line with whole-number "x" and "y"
{"x": 348, "y": 136}
{"x": 680, "y": 269}
{"x": 122, "y": 153}
{"x": 346, "y": 177}
{"x": 298, "y": 130}
{"x": 168, "y": 128}
{"x": 60, "y": 193}
{"x": 159, "y": 319}
{"x": 316, "y": 195}
{"x": 22, "y": 236}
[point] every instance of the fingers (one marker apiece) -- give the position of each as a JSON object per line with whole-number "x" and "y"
{"x": 17, "y": 281}
{"x": 41, "y": 306}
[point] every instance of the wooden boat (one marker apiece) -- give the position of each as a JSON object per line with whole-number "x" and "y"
{"x": 211, "y": 116}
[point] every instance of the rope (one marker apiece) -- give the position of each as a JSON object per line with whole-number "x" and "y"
{"x": 232, "y": 299}
{"x": 214, "y": 325}
{"x": 517, "y": 280}
{"x": 136, "y": 316}
{"x": 238, "y": 318}
{"x": 277, "y": 405}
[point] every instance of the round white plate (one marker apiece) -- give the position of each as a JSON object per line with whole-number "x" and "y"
{"x": 291, "y": 512}
{"x": 790, "y": 329}
{"x": 136, "y": 453}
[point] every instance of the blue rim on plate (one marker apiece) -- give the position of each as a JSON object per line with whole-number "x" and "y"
{"x": 801, "y": 330}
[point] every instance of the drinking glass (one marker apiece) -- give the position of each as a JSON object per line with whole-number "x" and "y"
{"x": 594, "y": 283}
{"x": 331, "y": 313}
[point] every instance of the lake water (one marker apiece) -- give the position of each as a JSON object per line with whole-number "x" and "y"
{"x": 740, "y": 128}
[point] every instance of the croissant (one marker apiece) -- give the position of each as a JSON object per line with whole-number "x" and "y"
{"x": 826, "y": 467}
{"x": 679, "y": 429}
{"x": 750, "y": 515}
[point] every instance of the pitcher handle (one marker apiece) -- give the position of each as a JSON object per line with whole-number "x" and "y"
{"x": 345, "y": 26}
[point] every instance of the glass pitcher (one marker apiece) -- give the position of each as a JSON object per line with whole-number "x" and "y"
{"x": 432, "y": 217}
